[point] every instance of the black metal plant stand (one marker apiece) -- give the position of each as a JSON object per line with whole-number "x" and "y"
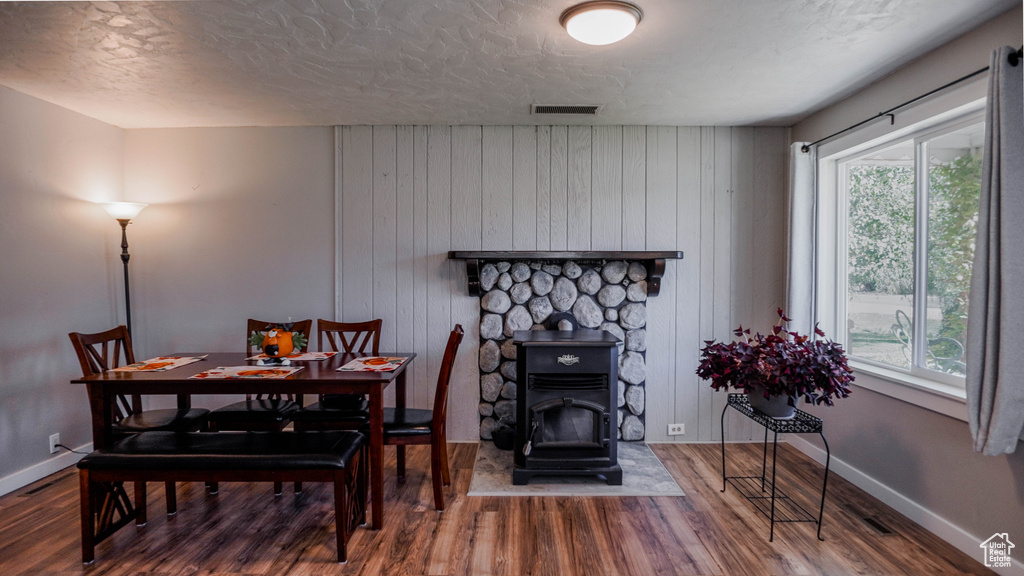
{"x": 777, "y": 506}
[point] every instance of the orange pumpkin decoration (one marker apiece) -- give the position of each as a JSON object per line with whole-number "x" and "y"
{"x": 278, "y": 343}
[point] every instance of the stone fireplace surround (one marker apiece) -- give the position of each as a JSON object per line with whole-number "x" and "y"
{"x": 559, "y": 290}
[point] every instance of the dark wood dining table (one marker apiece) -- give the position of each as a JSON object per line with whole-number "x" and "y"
{"x": 316, "y": 377}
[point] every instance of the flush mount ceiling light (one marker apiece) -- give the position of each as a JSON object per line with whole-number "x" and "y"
{"x": 601, "y": 22}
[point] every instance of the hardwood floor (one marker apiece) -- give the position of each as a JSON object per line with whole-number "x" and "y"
{"x": 245, "y": 530}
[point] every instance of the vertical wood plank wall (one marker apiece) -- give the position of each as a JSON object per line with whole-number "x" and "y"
{"x": 405, "y": 195}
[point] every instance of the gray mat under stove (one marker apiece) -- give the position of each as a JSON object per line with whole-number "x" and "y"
{"x": 643, "y": 474}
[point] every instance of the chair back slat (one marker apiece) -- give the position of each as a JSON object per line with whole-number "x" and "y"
{"x": 444, "y": 377}
{"x": 103, "y": 351}
{"x": 253, "y": 326}
{"x": 352, "y": 337}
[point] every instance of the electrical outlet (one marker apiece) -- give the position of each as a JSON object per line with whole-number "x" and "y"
{"x": 54, "y": 440}
{"x": 676, "y": 429}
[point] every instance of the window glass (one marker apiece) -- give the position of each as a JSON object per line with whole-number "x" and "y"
{"x": 911, "y": 209}
{"x": 880, "y": 189}
{"x": 954, "y": 182}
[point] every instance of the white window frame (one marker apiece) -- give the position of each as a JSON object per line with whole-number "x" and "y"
{"x": 920, "y": 264}
{"x": 959, "y": 107}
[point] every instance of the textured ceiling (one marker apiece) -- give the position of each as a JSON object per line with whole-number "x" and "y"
{"x": 325, "y": 62}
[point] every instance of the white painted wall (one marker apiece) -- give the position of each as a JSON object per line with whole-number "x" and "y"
{"x": 59, "y": 271}
{"x": 944, "y": 64}
{"x": 408, "y": 195}
{"x": 919, "y": 461}
{"x": 240, "y": 225}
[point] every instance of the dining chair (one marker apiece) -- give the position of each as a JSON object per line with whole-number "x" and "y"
{"x": 110, "y": 349}
{"x": 270, "y": 413}
{"x": 360, "y": 337}
{"x": 417, "y": 426}
{"x": 258, "y": 412}
{"x": 341, "y": 411}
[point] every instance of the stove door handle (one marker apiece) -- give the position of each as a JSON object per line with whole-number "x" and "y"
{"x": 529, "y": 441}
{"x": 606, "y": 441}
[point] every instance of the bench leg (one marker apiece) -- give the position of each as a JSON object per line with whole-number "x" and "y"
{"x": 298, "y": 487}
{"x": 87, "y": 511}
{"x": 341, "y": 520}
{"x": 350, "y": 489}
{"x": 400, "y": 457}
{"x": 278, "y": 488}
{"x": 363, "y": 482}
{"x": 140, "y": 503}
{"x": 172, "y": 498}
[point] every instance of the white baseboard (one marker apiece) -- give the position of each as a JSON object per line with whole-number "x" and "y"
{"x": 701, "y": 441}
{"x": 967, "y": 543}
{"x": 23, "y": 478}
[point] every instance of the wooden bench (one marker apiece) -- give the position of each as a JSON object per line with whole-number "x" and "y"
{"x": 336, "y": 456}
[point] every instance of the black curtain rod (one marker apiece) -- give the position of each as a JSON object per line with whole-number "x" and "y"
{"x": 1014, "y": 59}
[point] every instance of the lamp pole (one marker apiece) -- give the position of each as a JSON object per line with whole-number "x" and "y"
{"x": 123, "y": 212}
{"x": 124, "y": 260}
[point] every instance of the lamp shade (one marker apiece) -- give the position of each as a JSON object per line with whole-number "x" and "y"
{"x": 602, "y": 22}
{"x": 124, "y": 210}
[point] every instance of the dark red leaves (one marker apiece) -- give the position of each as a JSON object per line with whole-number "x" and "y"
{"x": 783, "y": 362}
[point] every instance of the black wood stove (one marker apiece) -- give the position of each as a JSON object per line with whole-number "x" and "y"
{"x": 566, "y": 397}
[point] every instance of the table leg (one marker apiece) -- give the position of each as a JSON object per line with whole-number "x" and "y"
{"x": 377, "y": 456}
{"x": 184, "y": 401}
{"x": 722, "y": 429}
{"x": 102, "y": 415}
{"x": 113, "y": 508}
{"x": 824, "y": 483}
{"x": 775, "y": 447}
{"x": 764, "y": 456}
{"x": 399, "y": 407}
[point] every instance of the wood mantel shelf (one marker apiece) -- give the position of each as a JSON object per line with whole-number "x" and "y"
{"x": 653, "y": 261}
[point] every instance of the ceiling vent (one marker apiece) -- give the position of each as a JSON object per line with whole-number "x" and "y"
{"x": 577, "y": 110}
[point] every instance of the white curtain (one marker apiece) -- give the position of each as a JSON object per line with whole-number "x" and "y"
{"x": 995, "y": 319}
{"x": 800, "y": 261}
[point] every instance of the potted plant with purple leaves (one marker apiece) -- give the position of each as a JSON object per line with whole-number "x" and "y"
{"x": 777, "y": 368}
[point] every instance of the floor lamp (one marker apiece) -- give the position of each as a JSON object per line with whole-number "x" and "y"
{"x": 123, "y": 212}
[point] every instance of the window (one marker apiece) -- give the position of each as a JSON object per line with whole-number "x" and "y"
{"x": 906, "y": 215}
